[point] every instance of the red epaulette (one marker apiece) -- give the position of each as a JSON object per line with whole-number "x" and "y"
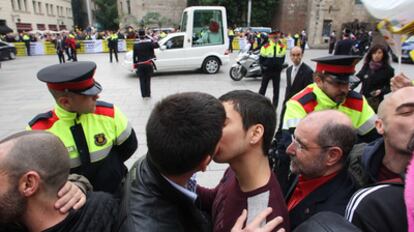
{"x": 307, "y": 99}
{"x": 266, "y": 45}
{"x": 354, "y": 101}
{"x": 105, "y": 108}
{"x": 43, "y": 121}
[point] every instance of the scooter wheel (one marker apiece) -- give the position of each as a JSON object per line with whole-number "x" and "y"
{"x": 236, "y": 73}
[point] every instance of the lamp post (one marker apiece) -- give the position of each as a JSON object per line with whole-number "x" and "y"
{"x": 249, "y": 12}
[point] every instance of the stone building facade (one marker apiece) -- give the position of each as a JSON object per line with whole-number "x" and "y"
{"x": 27, "y": 15}
{"x": 132, "y": 11}
{"x": 320, "y": 17}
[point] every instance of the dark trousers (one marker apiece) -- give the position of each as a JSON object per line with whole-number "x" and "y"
{"x": 231, "y": 43}
{"x": 61, "y": 56}
{"x": 27, "y": 44}
{"x": 115, "y": 51}
{"x": 144, "y": 72}
{"x": 331, "y": 47}
{"x": 73, "y": 54}
{"x": 68, "y": 53}
{"x": 273, "y": 75}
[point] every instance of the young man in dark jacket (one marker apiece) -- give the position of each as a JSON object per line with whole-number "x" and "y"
{"x": 182, "y": 135}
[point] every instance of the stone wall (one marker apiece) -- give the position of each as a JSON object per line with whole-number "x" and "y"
{"x": 171, "y": 9}
{"x": 319, "y": 17}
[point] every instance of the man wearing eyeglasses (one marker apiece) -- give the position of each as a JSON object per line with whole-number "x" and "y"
{"x": 319, "y": 149}
{"x": 97, "y": 134}
{"x": 330, "y": 91}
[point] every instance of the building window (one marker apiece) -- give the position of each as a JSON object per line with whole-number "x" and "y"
{"x": 129, "y": 6}
{"x": 358, "y": 2}
{"x": 34, "y": 7}
{"x": 39, "y": 7}
{"x": 12, "y": 3}
{"x": 51, "y": 9}
{"x": 326, "y": 29}
{"x": 25, "y": 5}
{"x": 19, "y": 5}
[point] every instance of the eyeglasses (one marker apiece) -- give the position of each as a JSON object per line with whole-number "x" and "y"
{"x": 300, "y": 147}
{"x": 334, "y": 83}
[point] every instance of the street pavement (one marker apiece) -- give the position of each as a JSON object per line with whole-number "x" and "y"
{"x": 23, "y": 96}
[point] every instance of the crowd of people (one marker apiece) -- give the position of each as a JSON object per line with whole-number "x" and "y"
{"x": 337, "y": 160}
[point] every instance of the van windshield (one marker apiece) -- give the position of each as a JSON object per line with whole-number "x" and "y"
{"x": 183, "y": 26}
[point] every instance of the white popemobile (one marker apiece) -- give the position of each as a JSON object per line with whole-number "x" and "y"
{"x": 202, "y": 43}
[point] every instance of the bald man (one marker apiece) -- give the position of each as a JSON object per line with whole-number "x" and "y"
{"x": 319, "y": 149}
{"x": 298, "y": 76}
{"x": 34, "y": 165}
{"x": 387, "y": 158}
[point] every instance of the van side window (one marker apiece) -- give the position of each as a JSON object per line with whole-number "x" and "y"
{"x": 175, "y": 42}
{"x": 207, "y": 28}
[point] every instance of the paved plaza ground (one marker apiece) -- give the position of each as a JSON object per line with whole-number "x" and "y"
{"x": 23, "y": 96}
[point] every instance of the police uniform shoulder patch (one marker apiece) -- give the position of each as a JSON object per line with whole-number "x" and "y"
{"x": 100, "y": 139}
{"x": 354, "y": 101}
{"x": 308, "y": 97}
{"x": 356, "y": 95}
{"x": 104, "y": 104}
{"x": 105, "y": 108}
{"x": 43, "y": 121}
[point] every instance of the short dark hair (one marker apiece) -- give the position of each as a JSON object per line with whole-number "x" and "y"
{"x": 182, "y": 130}
{"x": 386, "y": 57}
{"x": 254, "y": 109}
{"x": 38, "y": 151}
{"x": 338, "y": 135}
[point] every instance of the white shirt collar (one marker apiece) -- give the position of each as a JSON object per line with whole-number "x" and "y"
{"x": 188, "y": 193}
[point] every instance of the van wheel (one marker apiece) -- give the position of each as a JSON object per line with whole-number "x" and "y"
{"x": 211, "y": 65}
{"x": 12, "y": 56}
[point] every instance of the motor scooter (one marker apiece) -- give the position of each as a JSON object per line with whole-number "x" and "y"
{"x": 247, "y": 65}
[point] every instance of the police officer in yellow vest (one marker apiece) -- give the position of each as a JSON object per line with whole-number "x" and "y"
{"x": 330, "y": 90}
{"x": 272, "y": 57}
{"x": 113, "y": 46}
{"x": 97, "y": 134}
{"x": 26, "y": 40}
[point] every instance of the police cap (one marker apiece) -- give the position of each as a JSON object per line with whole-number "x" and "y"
{"x": 339, "y": 67}
{"x": 274, "y": 33}
{"x": 74, "y": 77}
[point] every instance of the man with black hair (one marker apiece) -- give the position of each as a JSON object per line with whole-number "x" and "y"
{"x": 249, "y": 183}
{"x": 143, "y": 54}
{"x": 182, "y": 135}
{"x": 344, "y": 46}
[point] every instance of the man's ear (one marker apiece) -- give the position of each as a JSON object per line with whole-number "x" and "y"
{"x": 255, "y": 133}
{"x": 318, "y": 80}
{"x": 379, "y": 125}
{"x": 204, "y": 163}
{"x": 64, "y": 102}
{"x": 334, "y": 156}
{"x": 29, "y": 183}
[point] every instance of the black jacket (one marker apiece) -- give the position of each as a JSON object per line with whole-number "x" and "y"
{"x": 151, "y": 203}
{"x": 304, "y": 77}
{"x": 344, "y": 47}
{"x": 373, "y": 80}
{"x": 98, "y": 214}
{"x": 332, "y": 196}
{"x": 144, "y": 50}
{"x": 379, "y": 208}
